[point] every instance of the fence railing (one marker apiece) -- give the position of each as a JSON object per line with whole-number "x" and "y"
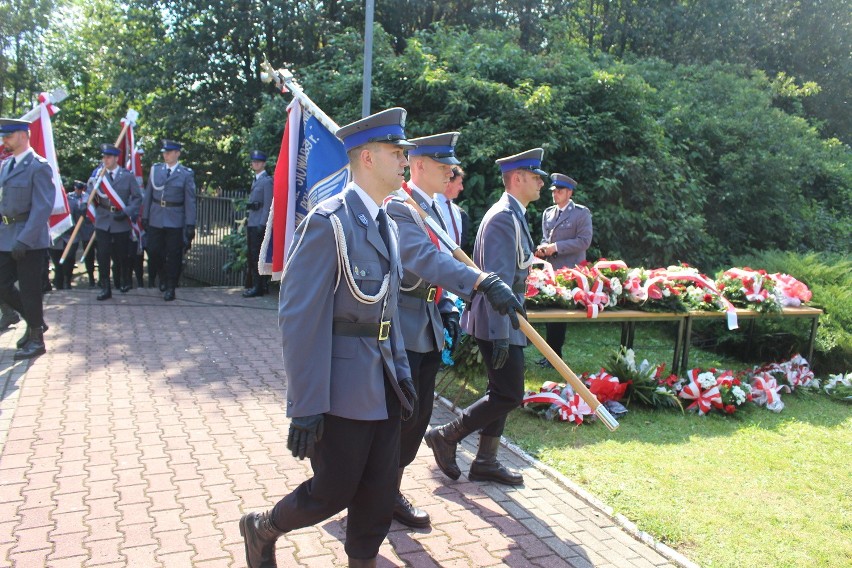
{"x": 216, "y": 218}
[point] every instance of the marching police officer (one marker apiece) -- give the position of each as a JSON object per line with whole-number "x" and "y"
{"x": 168, "y": 216}
{"x": 348, "y": 380}
{"x": 425, "y": 306}
{"x": 77, "y": 201}
{"x": 503, "y": 245}
{"x": 26, "y": 202}
{"x": 259, "y": 202}
{"x": 112, "y": 218}
{"x": 566, "y": 229}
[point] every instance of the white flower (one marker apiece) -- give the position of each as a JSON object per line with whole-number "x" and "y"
{"x": 615, "y": 284}
{"x": 739, "y": 394}
{"x": 630, "y": 359}
{"x": 706, "y": 380}
{"x": 666, "y": 292}
{"x": 548, "y": 290}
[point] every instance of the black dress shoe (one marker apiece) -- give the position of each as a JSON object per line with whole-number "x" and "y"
{"x": 105, "y": 294}
{"x": 252, "y": 293}
{"x": 169, "y": 295}
{"x": 124, "y": 289}
{"x": 9, "y": 319}
{"x": 408, "y": 514}
{"x": 162, "y": 287}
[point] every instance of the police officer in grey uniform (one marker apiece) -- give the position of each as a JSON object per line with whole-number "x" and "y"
{"x": 112, "y": 221}
{"x": 168, "y": 216}
{"x": 425, "y": 307}
{"x": 348, "y": 380}
{"x": 503, "y": 245}
{"x": 566, "y": 229}
{"x": 259, "y": 202}
{"x": 78, "y": 202}
{"x": 26, "y": 202}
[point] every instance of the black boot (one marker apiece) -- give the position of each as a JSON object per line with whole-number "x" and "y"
{"x": 486, "y": 467}
{"x": 252, "y": 292}
{"x": 33, "y": 347}
{"x": 9, "y": 318}
{"x": 91, "y": 280}
{"x": 362, "y": 562}
{"x": 443, "y": 441}
{"x": 106, "y": 292}
{"x": 405, "y": 512}
{"x": 169, "y": 295}
{"x": 259, "y": 535}
{"x": 26, "y": 337}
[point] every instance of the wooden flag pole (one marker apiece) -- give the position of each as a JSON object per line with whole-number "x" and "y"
{"x": 132, "y": 115}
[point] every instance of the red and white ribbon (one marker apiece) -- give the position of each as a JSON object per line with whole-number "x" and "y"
{"x": 704, "y": 400}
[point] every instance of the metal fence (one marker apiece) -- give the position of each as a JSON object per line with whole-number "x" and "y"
{"x": 216, "y": 218}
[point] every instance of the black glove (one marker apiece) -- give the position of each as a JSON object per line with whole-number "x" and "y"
{"x": 305, "y": 432}
{"x": 254, "y": 206}
{"x": 407, "y": 387}
{"x": 500, "y": 354}
{"x": 145, "y": 224}
{"x": 501, "y": 298}
{"x": 19, "y": 251}
{"x": 188, "y": 236}
{"x": 451, "y": 324}
{"x": 120, "y": 216}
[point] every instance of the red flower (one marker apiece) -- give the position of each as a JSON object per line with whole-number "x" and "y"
{"x": 532, "y": 291}
{"x": 730, "y": 409}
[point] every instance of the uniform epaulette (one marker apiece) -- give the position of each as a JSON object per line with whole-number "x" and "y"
{"x": 578, "y": 206}
{"x": 396, "y": 197}
{"x": 329, "y": 206}
{"x": 40, "y": 159}
{"x": 184, "y": 167}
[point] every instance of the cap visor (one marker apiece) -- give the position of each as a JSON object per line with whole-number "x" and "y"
{"x": 401, "y": 143}
{"x": 450, "y": 161}
{"x": 540, "y": 172}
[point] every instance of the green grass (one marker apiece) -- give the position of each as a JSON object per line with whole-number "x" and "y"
{"x": 754, "y": 489}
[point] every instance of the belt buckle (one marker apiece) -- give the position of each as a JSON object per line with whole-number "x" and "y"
{"x": 384, "y": 330}
{"x": 162, "y": 203}
{"x": 6, "y": 220}
{"x": 430, "y": 295}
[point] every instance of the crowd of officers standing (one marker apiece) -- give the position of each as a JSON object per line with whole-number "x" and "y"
{"x": 363, "y": 334}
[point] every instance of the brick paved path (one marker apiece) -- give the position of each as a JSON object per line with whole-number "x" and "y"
{"x": 149, "y": 427}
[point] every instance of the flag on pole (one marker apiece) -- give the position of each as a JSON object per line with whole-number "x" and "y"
{"x": 41, "y": 140}
{"x": 129, "y": 155}
{"x": 312, "y": 166}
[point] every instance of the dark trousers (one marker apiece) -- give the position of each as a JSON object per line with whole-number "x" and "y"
{"x": 27, "y": 272}
{"x": 556, "y": 335}
{"x": 254, "y": 240}
{"x": 504, "y": 393}
{"x": 424, "y": 367}
{"x": 355, "y": 466}
{"x": 89, "y": 259}
{"x": 112, "y": 248}
{"x": 63, "y": 271}
{"x": 165, "y": 253}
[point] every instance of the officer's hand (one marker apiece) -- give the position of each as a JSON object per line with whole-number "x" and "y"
{"x": 501, "y": 298}
{"x": 120, "y": 216}
{"x": 19, "y": 251}
{"x": 451, "y": 324}
{"x": 407, "y": 387}
{"x": 305, "y": 432}
{"x": 255, "y": 205}
{"x": 500, "y": 354}
{"x": 188, "y": 236}
{"x": 144, "y": 224}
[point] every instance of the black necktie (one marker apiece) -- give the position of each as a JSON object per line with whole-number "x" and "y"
{"x": 109, "y": 175}
{"x": 12, "y": 165}
{"x": 439, "y": 216}
{"x": 168, "y": 172}
{"x": 382, "y": 222}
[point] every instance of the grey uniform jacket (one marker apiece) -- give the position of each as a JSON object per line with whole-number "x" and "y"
{"x": 571, "y": 232}
{"x": 125, "y": 185}
{"x": 176, "y": 192}
{"x": 497, "y": 249}
{"x": 329, "y": 373}
{"x": 261, "y": 191}
{"x": 78, "y": 209}
{"x": 425, "y": 265}
{"x": 28, "y": 189}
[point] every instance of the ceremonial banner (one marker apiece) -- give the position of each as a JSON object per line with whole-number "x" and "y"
{"x": 312, "y": 166}
{"x": 41, "y": 140}
{"x": 130, "y": 156}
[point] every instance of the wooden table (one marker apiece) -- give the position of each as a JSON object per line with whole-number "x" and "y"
{"x": 800, "y": 312}
{"x": 627, "y": 319}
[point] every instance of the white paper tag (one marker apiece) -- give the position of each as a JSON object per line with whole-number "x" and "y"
{"x": 732, "y": 320}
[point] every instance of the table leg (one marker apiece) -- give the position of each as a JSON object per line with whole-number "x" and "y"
{"x": 814, "y": 326}
{"x": 687, "y": 340}
{"x": 677, "y": 347}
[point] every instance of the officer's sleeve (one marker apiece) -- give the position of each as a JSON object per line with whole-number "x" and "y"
{"x": 148, "y": 196}
{"x": 41, "y": 206}
{"x": 498, "y": 254}
{"x": 267, "y": 198}
{"x": 400, "y": 357}
{"x": 135, "y": 198}
{"x": 420, "y": 255}
{"x": 305, "y": 312}
{"x": 189, "y": 198}
{"x": 583, "y": 240}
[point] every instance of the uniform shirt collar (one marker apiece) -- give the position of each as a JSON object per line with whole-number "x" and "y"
{"x": 442, "y": 199}
{"x": 371, "y": 206}
{"x": 423, "y": 195}
{"x": 569, "y": 206}
{"x": 22, "y": 155}
{"x": 257, "y": 176}
{"x": 516, "y": 201}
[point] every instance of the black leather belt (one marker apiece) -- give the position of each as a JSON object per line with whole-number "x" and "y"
{"x": 106, "y": 205}
{"x": 9, "y": 219}
{"x": 164, "y": 203}
{"x": 427, "y": 294}
{"x": 352, "y": 329}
